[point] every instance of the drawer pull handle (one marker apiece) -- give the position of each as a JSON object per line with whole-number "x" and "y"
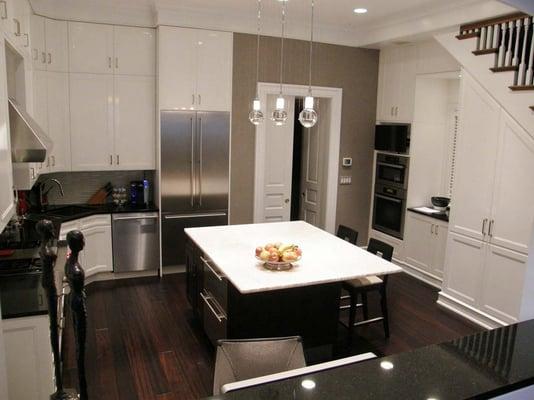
{"x": 207, "y": 299}
{"x": 207, "y": 264}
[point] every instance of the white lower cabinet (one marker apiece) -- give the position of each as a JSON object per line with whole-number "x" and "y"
{"x": 97, "y": 255}
{"x": 29, "y": 359}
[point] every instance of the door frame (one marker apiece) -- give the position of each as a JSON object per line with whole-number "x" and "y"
{"x": 335, "y": 96}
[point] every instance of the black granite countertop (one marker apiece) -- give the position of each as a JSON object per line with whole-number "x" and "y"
{"x": 442, "y": 216}
{"x": 480, "y": 366}
{"x": 86, "y": 210}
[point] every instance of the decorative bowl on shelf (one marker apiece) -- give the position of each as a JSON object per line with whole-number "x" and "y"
{"x": 278, "y": 256}
{"x": 440, "y": 203}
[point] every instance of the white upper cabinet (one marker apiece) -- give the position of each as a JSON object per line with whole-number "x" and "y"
{"x": 7, "y": 203}
{"x": 91, "y": 122}
{"x": 135, "y": 51}
{"x": 396, "y": 84}
{"x": 37, "y": 42}
{"x": 214, "y": 69}
{"x": 177, "y": 63}
{"x": 90, "y": 48}
{"x": 135, "y": 122}
{"x": 56, "y": 41}
{"x": 58, "y": 121}
{"x": 475, "y": 167}
{"x": 195, "y": 69}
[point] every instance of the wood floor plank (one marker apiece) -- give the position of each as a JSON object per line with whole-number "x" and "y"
{"x": 143, "y": 342}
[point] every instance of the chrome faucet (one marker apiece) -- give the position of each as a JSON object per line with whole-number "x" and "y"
{"x": 43, "y": 193}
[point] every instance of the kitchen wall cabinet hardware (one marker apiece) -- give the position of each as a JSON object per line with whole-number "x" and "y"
{"x": 90, "y": 47}
{"x": 195, "y": 69}
{"x": 49, "y": 39}
{"x": 17, "y": 27}
{"x": 135, "y": 51}
{"x": 3, "y": 3}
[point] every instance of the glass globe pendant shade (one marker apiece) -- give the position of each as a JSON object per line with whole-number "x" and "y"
{"x": 256, "y": 115}
{"x": 279, "y": 115}
{"x": 308, "y": 116}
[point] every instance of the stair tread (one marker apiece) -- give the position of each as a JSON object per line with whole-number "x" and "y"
{"x": 463, "y": 36}
{"x": 521, "y": 87}
{"x": 485, "y": 51}
{"x": 504, "y": 69}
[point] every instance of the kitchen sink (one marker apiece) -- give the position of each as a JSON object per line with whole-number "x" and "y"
{"x": 67, "y": 211}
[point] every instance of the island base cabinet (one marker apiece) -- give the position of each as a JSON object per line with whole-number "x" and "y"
{"x": 311, "y": 312}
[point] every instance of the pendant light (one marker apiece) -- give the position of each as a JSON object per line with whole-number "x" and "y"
{"x": 279, "y": 115}
{"x": 256, "y": 115}
{"x": 308, "y": 116}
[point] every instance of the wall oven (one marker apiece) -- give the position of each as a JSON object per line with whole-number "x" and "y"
{"x": 392, "y": 171}
{"x": 389, "y": 210}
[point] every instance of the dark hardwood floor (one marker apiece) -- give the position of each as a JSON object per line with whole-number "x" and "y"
{"x": 143, "y": 342}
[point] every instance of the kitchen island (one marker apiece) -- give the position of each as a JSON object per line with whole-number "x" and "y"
{"x": 236, "y": 297}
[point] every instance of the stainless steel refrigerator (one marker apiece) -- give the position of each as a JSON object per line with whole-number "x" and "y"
{"x": 194, "y": 176}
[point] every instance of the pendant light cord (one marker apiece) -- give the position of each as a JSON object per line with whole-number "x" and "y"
{"x": 258, "y": 48}
{"x": 282, "y": 44}
{"x": 311, "y": 46}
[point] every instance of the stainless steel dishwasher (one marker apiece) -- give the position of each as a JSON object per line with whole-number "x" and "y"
{"x": 135, "y": 242}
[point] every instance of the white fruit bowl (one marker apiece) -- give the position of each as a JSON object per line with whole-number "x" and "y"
{"x": 278, "y": 265}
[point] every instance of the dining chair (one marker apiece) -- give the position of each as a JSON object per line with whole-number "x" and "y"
{"x": 362, "y": 286}
{"x": 347, "y": 234}
{"x": 243, "y": 359}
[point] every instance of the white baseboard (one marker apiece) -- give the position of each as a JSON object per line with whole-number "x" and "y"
{"x": 468, "y": 312}
{"x": 110, "y": 276}
{"x": 421, "y": 275}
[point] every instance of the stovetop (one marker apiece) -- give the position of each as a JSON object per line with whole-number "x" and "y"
{"x": 18, "y": 266}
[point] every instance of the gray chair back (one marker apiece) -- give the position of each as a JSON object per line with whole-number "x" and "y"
{"x": 238, "y": 360}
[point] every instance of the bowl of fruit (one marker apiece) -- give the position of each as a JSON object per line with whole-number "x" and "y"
{"x": 278, "y": 256}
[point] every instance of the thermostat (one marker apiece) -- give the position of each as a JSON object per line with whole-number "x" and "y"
{"x": 347, "y": 161}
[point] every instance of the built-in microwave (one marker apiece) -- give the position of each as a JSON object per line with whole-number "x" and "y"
{"x": 392, "y": 170}
{"x": 393, "y": 138}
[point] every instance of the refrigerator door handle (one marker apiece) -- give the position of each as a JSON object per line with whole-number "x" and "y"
{"x": 192, "y": 164}
{"x": 184, "y": 216}
{"x": 200, "y": 163}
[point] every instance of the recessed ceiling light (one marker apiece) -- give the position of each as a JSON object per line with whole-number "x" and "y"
{"x": 387, "y": 365}
{"x": 360, "y": 10}
{"x": 308, "y": 384}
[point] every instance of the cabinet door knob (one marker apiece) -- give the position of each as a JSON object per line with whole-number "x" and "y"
{"x": 490, "y": 229}
{"x": 43, "y": 57}
{"x": 432, "y": 229}
{"x": 436, "y": 230}
{"x": 49, "y": 58}
{"x": 199, "y": 99}
{"x": 192, "y": 99}
{"x": 118, "y": 160}
{"x": 109, "y": 62}
{"x": 484, "y": 222}
{"x": 53, "y": 161}
{"x": 110, "y": 159}
{"x": 4, "y": 9}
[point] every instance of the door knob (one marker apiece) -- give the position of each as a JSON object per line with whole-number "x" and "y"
{"x": 286, "y": 201}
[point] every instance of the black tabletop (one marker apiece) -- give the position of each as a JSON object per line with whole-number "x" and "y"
{"x": 479, "y": 366}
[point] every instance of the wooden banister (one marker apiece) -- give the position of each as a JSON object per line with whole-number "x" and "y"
{"x": 493, "y": 21}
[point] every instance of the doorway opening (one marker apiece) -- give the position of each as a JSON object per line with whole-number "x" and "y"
{"x": 308, "y": 189}
{"x": 296, "y": 169}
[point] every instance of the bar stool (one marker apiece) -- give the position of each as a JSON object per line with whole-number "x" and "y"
{"x": 243, "y": 359}
{"x": 362, "y": 286}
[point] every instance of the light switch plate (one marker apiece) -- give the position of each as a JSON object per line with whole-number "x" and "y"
{"x": 345, "y": 180}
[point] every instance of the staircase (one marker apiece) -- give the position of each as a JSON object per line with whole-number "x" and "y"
{"x": 510, "y": 40}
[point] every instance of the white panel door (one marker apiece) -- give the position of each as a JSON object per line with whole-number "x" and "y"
{"x": 214, "y": 69}
{"x": 91, "y": 122}
{"x": 57, "y": 49}
{"x": 464, "y": 268}
{"x": 37, "y": 42}
{"x": 277, "y": 164}
{"x": 440, "y": 248}
{"x": 58, "y": 120}
{"x": 135, "y": 122}
{"x": 90, "y": 48}
{"x": 476, "y": 159}
{"x": 177, "y": 52}
{"x": 504, "y": 275}
{"x": 7, "y": 203}
{"x": 135, "y": 51}
{"x": 97, "y": 254}
{"x": 513, "y": 204}
{"x": 419, "y": 242}
{"x": 388, "y": 85}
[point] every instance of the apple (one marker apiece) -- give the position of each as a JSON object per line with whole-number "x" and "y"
{"x": 258, "y": 251}
{"x": 289, "y": 256}
{"x": 264, "y": 255}
{"x": 269, "y": 246}
{"x": 273, "y": 256}
{"x": 298, "y": 250}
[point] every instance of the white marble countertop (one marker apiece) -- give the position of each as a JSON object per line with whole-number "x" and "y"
{"x": 325, "y": 258}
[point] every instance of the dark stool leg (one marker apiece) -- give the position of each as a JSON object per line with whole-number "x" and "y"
{"x": 365, "y": 306}
{"x": 384, "y": 306}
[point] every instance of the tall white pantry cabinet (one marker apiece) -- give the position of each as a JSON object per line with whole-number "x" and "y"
{"x": 492, "y": 215}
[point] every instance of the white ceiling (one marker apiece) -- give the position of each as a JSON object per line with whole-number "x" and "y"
{"x": 336, "y": 23}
